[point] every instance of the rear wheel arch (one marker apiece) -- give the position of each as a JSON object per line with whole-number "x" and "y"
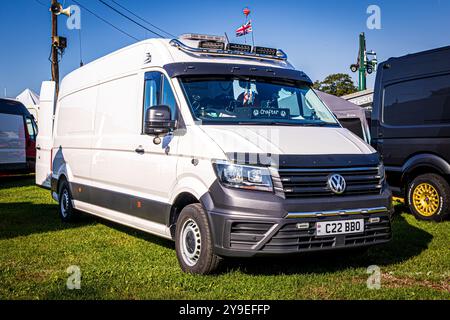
{"x": 61, "y": 179}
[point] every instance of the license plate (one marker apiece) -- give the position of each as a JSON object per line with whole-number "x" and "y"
{"x": 331, "y": 228}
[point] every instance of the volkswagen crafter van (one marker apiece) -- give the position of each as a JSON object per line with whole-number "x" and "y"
{"x": 223, "y": 148}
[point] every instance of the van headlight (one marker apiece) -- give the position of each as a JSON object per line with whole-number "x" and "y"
{"x": 243, "y": 177}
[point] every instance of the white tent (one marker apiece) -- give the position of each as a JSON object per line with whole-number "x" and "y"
{"x": 30, "y": 100}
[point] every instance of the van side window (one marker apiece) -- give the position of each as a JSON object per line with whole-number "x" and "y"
{"x": 158, "y": 91}
{"x": 152, "y": 90}
{"x": 168, "y": 97}
{"x": 423, "y": 101}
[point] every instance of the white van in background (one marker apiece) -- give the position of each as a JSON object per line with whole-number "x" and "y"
{"x": 222, "y": 147}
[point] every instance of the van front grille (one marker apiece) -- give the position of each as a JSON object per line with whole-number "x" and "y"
{"x": 311, "y": 183}
{"x": 290, "y": 238}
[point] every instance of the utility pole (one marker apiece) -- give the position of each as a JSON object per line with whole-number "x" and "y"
{"x": 55, "y": 53}
{"x": 362, "y": 62}
{"x": 364, "y": 65}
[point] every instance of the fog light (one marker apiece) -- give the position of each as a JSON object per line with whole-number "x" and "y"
{"x": 303, "y": 226}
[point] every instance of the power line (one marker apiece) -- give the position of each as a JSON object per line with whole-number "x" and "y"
{"x": 42, "y": 4}
{"x": 134, "y": 21}
{"x": 105, "y": 21}
{"x": 139, "y": 17}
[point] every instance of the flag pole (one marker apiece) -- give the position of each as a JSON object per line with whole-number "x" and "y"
{"x": 253, "y": 36}
{"x": 245, "y": 34}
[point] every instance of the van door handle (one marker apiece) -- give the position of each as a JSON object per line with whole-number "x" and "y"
{"x": 140, "y": 150}
{"x": 38, "y": 148}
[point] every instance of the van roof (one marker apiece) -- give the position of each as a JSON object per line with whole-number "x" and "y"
{"x": 146, "y": 54}
{"x": 417, "y": 64}
{"x": 10, "y": 106}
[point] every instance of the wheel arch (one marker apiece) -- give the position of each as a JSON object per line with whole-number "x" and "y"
{"x": 422, "y": 164}
{"x": 182, "y": 200}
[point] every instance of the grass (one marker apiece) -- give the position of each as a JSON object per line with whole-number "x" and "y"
{"x": 120, "y": 263}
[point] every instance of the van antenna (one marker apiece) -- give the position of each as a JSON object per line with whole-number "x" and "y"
{"x": 226, "y": 36}
{"x": 81, "y": 48}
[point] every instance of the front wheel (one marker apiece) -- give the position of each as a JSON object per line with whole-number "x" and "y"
{"x": 429, "y": 197}
{"x": 193, "y": 241}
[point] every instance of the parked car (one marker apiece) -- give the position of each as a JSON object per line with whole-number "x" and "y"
{"x": 17, "y": 138}
{"x": 411, "y": 129}
{"x": 229, "y": 152}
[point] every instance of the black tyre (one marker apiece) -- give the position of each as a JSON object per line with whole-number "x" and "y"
{"x": 193, "y": 241}
{"x": 66, "y": 211}
{"x": 429, "y": 197}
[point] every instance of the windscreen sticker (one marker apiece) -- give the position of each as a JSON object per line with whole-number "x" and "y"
{"x": 265, "y": 113}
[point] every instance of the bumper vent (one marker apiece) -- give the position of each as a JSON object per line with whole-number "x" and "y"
{"x": 373, "y": 234}
{"x": 245, "y": 235}
{"x": 312, "y": 183}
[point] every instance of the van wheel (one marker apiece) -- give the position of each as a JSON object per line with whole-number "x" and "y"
{"x": 193, "y": 241}
{"x": 429, "y": 197}
{"x": 66, "y": 211}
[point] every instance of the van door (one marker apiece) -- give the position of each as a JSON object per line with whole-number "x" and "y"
{"x": 44, "y": 140}
{"x": 31, "y": 143}
{"x": 131, "y": 174}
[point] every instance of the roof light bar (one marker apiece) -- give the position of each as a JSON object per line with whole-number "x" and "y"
{"x": 200, "y": 37}
{"x": 217, "y": 51}
{"x": 239, "y": 47}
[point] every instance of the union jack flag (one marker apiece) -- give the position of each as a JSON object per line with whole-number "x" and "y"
{"x": 245, "y": 29}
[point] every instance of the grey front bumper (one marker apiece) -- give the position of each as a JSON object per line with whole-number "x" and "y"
{"x": 246, "y": 223}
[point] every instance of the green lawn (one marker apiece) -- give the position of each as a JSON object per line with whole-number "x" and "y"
{"x": 120, "y": 263}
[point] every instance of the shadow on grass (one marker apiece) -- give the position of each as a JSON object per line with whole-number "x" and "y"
{"x": 135, "y": 233}
{"x": 17, "y": 181}
{"x": 408, "y": 242}
{"x": 27, "y": 218}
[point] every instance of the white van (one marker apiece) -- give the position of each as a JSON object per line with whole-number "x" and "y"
{"x": 223, "y": 148}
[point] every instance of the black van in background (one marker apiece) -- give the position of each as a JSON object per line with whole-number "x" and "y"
{"x": 411, "y": 129}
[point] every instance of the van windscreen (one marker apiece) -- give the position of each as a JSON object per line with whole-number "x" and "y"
{"x": 257, "y": 101}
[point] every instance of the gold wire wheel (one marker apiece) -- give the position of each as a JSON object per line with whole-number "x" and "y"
{"x": 426, "y": 199}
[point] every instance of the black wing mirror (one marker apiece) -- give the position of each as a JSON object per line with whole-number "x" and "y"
{"x": 158, "y": 121}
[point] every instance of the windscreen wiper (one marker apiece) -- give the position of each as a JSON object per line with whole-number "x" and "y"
{"x": 265, "y": 123}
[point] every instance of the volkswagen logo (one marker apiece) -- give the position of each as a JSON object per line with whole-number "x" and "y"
{"x": 337, "y": 183}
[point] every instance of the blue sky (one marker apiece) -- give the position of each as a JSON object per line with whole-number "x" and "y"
{"x": 319, "y": 36}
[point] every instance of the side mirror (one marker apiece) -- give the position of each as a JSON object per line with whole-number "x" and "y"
{"x": 158, "y": 121}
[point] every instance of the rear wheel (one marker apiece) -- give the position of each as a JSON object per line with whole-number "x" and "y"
{"x": 193, "y": 242}
{"x": 66, "y": 211}
{"x": 429, "y": 197}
